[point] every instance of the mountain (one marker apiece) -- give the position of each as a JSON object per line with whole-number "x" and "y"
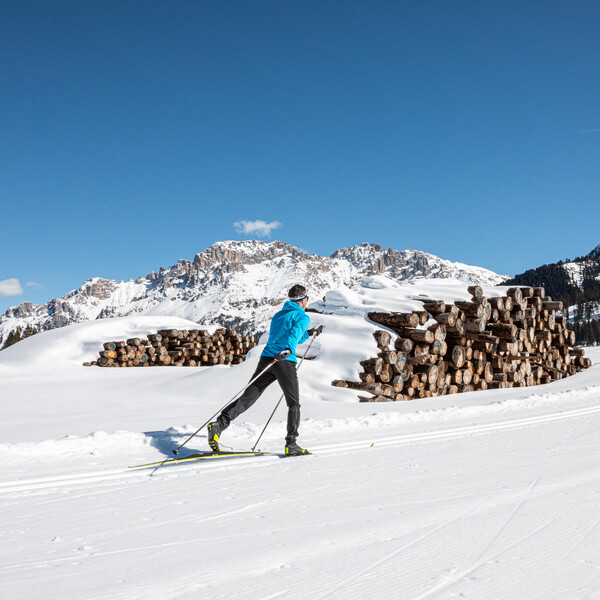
{"x": 595, "y": 253}
{"x": 234, "y": 284}
{"x": 575, "y": 282}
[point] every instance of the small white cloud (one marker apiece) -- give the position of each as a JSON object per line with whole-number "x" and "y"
{"x": 259, "y": 228}
{"x": 10, "y": 287}
{"x": 34, "y": 284}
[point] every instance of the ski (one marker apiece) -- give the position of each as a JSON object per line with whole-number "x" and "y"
{"x": 206, "y": 456}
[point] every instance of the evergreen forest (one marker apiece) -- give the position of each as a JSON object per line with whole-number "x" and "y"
{"x": 581, "y": 296}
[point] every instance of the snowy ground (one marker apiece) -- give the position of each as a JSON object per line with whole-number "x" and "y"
{"x": 487, "y": 495}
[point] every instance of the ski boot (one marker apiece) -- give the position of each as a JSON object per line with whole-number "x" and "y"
{"x": 294, "y": 450}
{"x": 214, "y": 431}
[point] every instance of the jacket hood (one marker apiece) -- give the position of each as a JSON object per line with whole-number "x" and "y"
{"x": 289, "y": 305}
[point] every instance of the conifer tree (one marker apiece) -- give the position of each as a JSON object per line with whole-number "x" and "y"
{"x": 13, "y": 337}
{"x": 29, "y": 331}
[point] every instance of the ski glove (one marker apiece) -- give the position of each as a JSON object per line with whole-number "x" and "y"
{"x": 283, "y": 354}
{"x": 318, "y": 330}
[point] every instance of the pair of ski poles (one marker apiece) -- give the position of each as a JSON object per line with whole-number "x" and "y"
{"x": 176, "y": 450}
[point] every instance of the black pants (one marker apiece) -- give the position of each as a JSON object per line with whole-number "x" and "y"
{"x": 284, "y": 371}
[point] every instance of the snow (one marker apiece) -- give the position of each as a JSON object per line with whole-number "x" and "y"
{"x": 575, "y": 271}
{"x": 482, "y": 495}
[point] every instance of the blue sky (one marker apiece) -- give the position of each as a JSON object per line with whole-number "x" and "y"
{"x": 137, "y": 133}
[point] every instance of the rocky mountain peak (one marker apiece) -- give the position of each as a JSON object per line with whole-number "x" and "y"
{"x": 97, "y": 287}
{"x": 358, "y": 253}
{"x": 244, "y": 252}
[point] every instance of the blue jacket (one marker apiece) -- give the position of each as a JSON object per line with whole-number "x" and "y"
{"x": 288, "y": 329}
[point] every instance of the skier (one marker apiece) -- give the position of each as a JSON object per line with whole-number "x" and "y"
{"x": 289, "y": 327}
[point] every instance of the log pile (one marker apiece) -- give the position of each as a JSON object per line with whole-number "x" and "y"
{"x": 180, "y": 348}
{"x": 516, "y": 340}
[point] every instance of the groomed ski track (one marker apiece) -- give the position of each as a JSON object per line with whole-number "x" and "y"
{"x": 232, "y": 462}
{"x": 503, "y": 508}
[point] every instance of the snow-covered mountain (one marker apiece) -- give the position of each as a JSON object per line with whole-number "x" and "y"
{"x": 235, "y": 284}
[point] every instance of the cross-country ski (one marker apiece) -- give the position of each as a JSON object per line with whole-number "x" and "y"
{"x": 200, "y": 456}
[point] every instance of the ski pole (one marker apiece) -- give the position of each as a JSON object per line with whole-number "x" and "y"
{"x": 221, "y": 409}
{"x": 280, "y": 399}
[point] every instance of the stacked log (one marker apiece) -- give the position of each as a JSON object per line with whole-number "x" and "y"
{"x": 174, "y": 347}
{"x": 516, "y": 340}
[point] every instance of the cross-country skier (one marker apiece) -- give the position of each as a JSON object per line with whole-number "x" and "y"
{"x": 289, "y": 327}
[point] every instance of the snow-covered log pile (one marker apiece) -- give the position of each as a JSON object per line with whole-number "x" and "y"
{"x": 509, "y": 341}
{"x": 187, "y": 348}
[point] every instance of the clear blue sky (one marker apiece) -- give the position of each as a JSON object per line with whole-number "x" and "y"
{"x": 133, "y": 134}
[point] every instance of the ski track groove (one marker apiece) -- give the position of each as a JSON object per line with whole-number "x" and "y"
{"x": 61, "y": 481}
{"x": 69, "y": 497}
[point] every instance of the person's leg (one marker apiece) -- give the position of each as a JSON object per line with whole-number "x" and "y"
{"x": 250, "y": 396}
{"x": 285, "y": 372}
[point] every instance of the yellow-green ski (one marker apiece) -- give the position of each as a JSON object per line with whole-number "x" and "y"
{"x": 205, "y": 456}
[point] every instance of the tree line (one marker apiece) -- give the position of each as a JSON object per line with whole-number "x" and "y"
{"x": 581, "y": 294}
{"x": 18, "y": 334}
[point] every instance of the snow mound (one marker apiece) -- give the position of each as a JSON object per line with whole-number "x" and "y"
{"x": 96, "y": 444}
{"x": 74, "y": 344}
{"x": 378, "y": 282}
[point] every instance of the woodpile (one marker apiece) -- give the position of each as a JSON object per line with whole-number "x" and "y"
{"x": 516, "y": 340}
{"x": 180, "y": 348}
